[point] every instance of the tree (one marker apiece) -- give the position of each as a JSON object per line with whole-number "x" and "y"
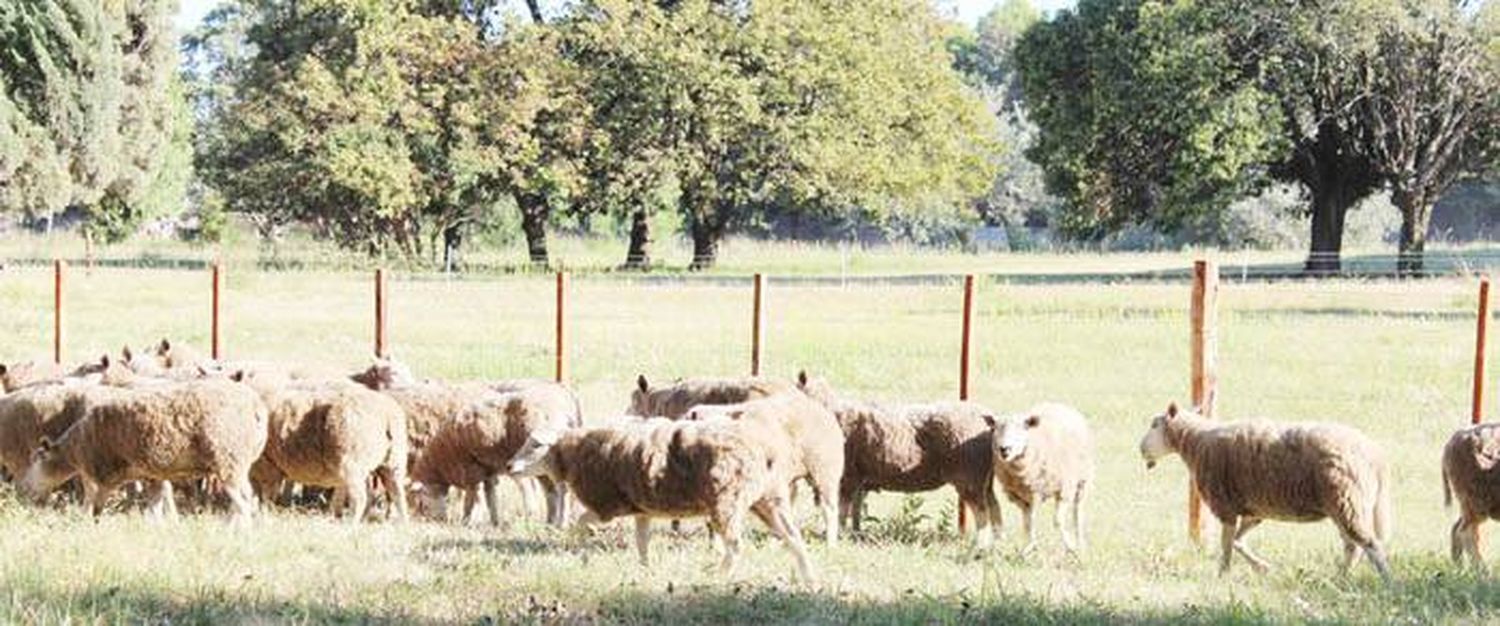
{"x": 88, "y": 109}
{"x": 1161, "y": 112}
{"x": 1431, "y": 105}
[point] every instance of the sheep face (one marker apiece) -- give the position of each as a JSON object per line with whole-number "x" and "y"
{"x": 640, "y": 398}
{"x": 534, "y": 458}
{"x": 1154, "y": 445}
{"x": 428, "y": 502}
{"x": 384, "y": 374}
{"x": 816, "y": 388}
{"x": 1013, "y": 435}
{"x": 49, "y": 468}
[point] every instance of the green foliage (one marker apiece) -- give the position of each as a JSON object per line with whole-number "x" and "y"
{"x": 88, "y": 112}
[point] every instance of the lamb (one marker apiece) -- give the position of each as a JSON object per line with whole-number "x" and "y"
{"x": 1248, "y": 472}
{"x": 675, "y": 401}
{"x": 1045, "y": 453}
{"x": 913, "y": 448}
{"x": 658, "y": 468}
{"x": 1469, "y": 471}
{"x": 811, "y": 434}
{"x": 334, "y": 434}
{"x": 161, "y": 433}
{"x": 477, "y": 446}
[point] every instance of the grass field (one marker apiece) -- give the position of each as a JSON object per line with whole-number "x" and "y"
{"x": 1392, "y": 358}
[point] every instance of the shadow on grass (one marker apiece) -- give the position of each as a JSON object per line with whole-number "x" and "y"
{"x": 117, "y": 605}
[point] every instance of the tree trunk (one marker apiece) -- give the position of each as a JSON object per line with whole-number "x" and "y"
{"x": 1330, "y": 204}
{"x": 534, "y": 224}
{"x": 533, "y": 7}
{"x": 1416, "y": 211}
{"x": 453, "y": 237}
{"x": 638, "y": 257}
{"x": 705, "y": 245}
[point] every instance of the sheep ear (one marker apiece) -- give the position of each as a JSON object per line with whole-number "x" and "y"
{"x": 989, "y": 420}
{"x": 238, "y": 376}
{"x": 640, "y": 383}
{"x": 3, "y": 369}
{"x": 163, "y": 347}
{"x": 126, "y": 354}
{"x": 1032, "y": 421}
{"x": 1172, "y": 410}
{"x": 104, "y": 361}
{"x": 802, "y": 378}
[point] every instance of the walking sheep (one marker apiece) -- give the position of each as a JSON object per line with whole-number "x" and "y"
{"x": 675, "y": 400}
{"x": 1469, "y": 471}
{"x": 813, "y": 438}
{"x": 659, "y": 468}
{"x": 35, "y": 412}
{"x": 1249, "y": 472}
{"x": 1046, "y": 453}
{"x": 164, "y": 432}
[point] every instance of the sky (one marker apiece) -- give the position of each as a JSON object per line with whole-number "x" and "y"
{"x": 192, "y": 11}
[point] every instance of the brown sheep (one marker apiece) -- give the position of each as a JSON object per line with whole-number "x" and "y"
{"x": 477, "y": 446}
{"x": 33, "y": 413}
{"x": 815, "y": 439}
{"x": 165, "y": 432}
{"x": 658, "y": 468}
{"x": 674, "y": 401}
{"x": 334, "y": 434}
{"x": 913, "y": 448}
{"x": 1469, "y": 471}
{"x": 1248, "y": 472}
{"x": 1046, "y": 453}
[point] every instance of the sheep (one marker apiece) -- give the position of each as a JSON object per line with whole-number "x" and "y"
{"x": 1248, "y": 472}
{"x": 161, "y": 433}
{"x": 660, "y": 468}
{"x": 811, "y": 434}
{"x": 913, "y": 448}
{"x": 1469, "y": 471}
{"x": 429, "y": 405}
{"x": 475, "y": 447}
{"x": 1045, "y": 453}
{"x": 14, "y": 376}
{"x": 334, "y": 434}
{"x": 32, "y": 413}
{"x": 675, "y": 401}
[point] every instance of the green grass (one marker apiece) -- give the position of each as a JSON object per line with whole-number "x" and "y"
{"x": 1391, "y": 358}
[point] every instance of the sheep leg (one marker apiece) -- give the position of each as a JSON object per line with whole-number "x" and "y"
{"x": 471, "y": 502}
{"x": 241, "y": 498}
{"x": 984, "y": 536}
{"x": 1371, "y": 547}
{"x": 1028, "y": 524}
{"x": 1078, "y": 517}
{"x": 97, "y": 495}
{"x": 357, "y": 495}
{"x": 1465, "y": 540}
{"x": 1228, "y": 528}
{"x": 643, "y": 539}
{"x": 731, "y": 525}
{"x": 556, "y": 495}
{"x": 393, "y": 482}
{"x": 492, "y": 499}
{"x": 1240, "y": 546}
{"x": 1059, "y": 513}
{"x": 783, "y": 528}
{"x": 161, "y": 497}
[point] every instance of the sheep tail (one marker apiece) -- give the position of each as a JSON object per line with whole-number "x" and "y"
{"x": 1383, "y": 517}
{"x": 1447, "y": 490}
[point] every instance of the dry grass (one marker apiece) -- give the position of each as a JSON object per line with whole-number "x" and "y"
{"x": 1390, "y": 358}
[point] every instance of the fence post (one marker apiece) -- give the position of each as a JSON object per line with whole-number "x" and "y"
{"x": 561, "y": 347}
{"x": 1205, "y": 317}
{"x": 1481, "y": 326}
{"x": 379, "y": 312}
{"x": 755, "y": 326}
{"x": 218, "y": 284}
{"x": 963, "y": 375}
{"x": 57, "y": 311}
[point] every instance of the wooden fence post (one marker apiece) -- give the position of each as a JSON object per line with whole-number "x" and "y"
{"x": 380, "y": 313}
{"x": 1205, "y": 317}
{"x": 755, "y": 326}
{"x": 1481, "y": 327}
{"x": 963, "y": 375}
{"x": 57, "y": 311}
{"x": 215, "y": 350}
{"x": 560, "y": 349}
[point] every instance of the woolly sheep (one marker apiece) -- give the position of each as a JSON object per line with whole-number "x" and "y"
{"x": 1248, "y": 472}
{"x": 675, "y": 400}
{"x": 1469, "y": 471}
{"x": 165, "y": 432}
{"x": 334, "y": 434}
{"x": 1046, "y": 453}
{"x": 658, "y": 468}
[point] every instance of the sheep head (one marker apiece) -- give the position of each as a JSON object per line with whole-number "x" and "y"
{"x": 1155, "y": 445}
{"x": 1013, "y": 435}
{"x": 535, "y": 458}
{"x": 49, "y": 468}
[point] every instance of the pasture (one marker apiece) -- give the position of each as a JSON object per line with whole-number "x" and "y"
{"x": 1393, "y": 359}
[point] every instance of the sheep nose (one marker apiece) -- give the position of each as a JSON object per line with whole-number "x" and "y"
{"x": 1005, "y": 451}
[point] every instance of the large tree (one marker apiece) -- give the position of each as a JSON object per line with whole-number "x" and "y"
{"x": 89, "y": 111}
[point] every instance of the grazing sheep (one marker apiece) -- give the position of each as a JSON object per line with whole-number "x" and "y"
{"x": 478, "y": 445}
{"x": 163, "y": 432}
{"x": 1046, "y": 453}
{"x": 675, "y": 401}
{"x": 913, "y": 448}
{"x": 816, "y": 444}
{"x": 35, "y": 412}
{"x": 334, "y": 434}
{"x": 1469, "y": 471}
{"x": 657, "y": 468}
{"x": 1248, "y": 472}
